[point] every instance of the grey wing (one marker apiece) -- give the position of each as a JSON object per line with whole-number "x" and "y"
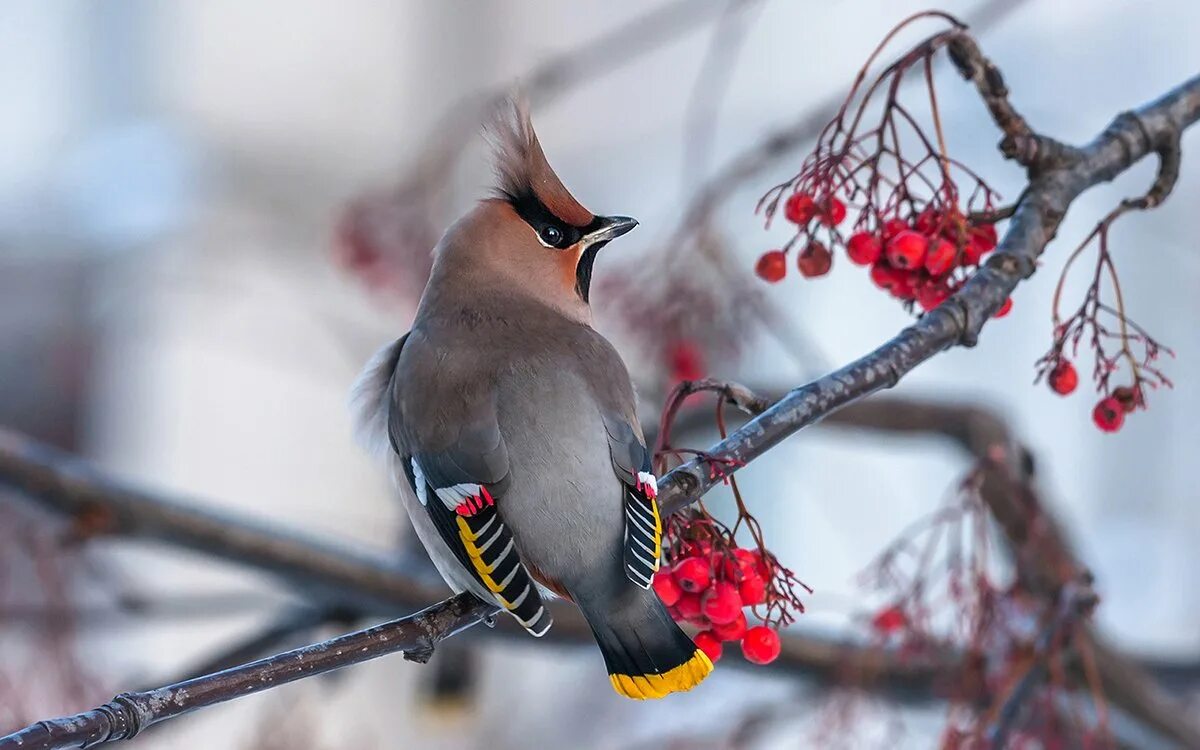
{"x": 461, "y": 488}
{"x": 643, "y": 524}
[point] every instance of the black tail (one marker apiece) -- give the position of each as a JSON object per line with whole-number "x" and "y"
{"x": 646, "y": 653}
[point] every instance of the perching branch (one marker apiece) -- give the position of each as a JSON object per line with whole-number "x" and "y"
{"x": 129, "y": 713}
{"x": 1054, "y": 185}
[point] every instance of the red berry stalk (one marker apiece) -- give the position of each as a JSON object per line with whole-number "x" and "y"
{"x": 710, "y": 581}
{"x": 911, "y": 230}
{"x": 1101, "y": 325}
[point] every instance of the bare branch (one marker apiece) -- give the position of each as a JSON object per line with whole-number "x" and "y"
{"x": 130, "y": 713}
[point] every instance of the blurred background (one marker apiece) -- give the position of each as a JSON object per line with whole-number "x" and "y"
{"x": 202, "y": 241}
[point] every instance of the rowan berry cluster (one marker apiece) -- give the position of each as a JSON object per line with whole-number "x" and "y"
{"x": 919, "y": 259}
{"x": 1109, "y": 412}
{"x": 709, "y": 580}
{"x": 920, "y": 220}
{"x": 1100, "y": 323}
{"x": 712, "y": 589}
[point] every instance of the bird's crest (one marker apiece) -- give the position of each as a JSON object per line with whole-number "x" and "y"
{"x": 522, "y": 171}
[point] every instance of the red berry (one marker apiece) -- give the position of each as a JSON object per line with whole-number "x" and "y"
{"x": 1130, "y": 399}
{"x": 1063, "y": 378}
{"x": 687, "y": 361}
{"x": 1109, "y": 414}
{"x": 863, "y": 248}
{"x": 721, "y": 604}
{"x": 710, "y": 644}
{"x": 927, "y": 222}
{"x": 931, "y": 294}
{"x": 833, "y": 213}
{"x": 889, "y": 620}
{"x": 666, "y": 587}
{"x": 893, "y": 227}
{"x": 761, "y": 645}
{"x": 972, "y": 253}
{"x": 733, "y": 630}
{"x": 800, "y": 208}
{"x": 753, "y": 590}
{"x": 772, "y": 266}
{"x": 941, "y": 256}
{"x": 738, "y": 565}
{"x": 984, "y": 236}
{"x": 815, "y": 260}
{"x": 688, "y": 607}
{"x": 907, "y": 249}
{"x": 692, "y": 574}
{"x": 884, "y": 276}
{"x": 765, "y": 566}
{"x": 1005, "y": 309}
{"x": 907, "y": 283}
{"x": 746, "y": 562}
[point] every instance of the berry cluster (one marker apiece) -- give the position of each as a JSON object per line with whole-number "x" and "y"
{"x": 711, "y": 589}
{"x": 919, "y": 260}
{"x": 1109, "y": 412}
{"x": 1118, "y": 344}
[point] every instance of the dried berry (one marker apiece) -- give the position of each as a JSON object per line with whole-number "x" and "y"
{"x": 1130, "y": 398}
{"x": 815, "y": 260}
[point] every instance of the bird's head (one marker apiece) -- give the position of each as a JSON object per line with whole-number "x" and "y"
{"x": 533, "y": 233}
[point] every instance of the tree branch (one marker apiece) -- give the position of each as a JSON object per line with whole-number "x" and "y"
{"x": 958, "y": 322}
{"x": 130, "y": 713}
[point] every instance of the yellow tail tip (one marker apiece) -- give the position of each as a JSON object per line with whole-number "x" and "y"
{"x": 684, "y": 677}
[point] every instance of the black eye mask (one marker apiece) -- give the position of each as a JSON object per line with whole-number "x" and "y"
{"x": 551, "y": 230}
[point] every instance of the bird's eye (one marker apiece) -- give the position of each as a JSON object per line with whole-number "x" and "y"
{"x": 551, "y": 235}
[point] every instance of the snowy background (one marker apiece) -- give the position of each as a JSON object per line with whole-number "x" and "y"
{"x": 169, "y": 182}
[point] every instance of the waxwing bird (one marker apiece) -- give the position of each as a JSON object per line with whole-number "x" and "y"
{"x": 510, "y": 425}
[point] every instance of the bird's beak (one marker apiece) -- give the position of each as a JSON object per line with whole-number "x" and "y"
{"x": 609, "y": 228}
